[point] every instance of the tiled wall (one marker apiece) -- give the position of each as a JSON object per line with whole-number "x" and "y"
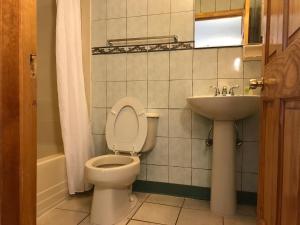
{"x": 162, "y": 81}
{"x": 48, "y": 125}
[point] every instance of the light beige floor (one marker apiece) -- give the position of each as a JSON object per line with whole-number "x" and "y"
{"x": 151, "y": 209}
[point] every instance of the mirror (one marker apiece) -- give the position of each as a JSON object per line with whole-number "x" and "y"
{"x": 227, "y": 23}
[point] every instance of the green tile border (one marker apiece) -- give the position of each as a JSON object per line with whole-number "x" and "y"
{"x": 247, "y": 198}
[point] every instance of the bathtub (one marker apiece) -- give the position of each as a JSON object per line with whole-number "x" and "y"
{"x": 51, "y": 182}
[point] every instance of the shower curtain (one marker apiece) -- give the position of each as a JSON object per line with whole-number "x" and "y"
{"x": 74, "y": 118}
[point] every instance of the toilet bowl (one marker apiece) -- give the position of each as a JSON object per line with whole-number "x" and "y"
{"x": 130, "y": 131}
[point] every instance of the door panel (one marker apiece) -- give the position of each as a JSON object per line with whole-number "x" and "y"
{"x": 291, "y": 163}
{"x": 279, "y": 174}
{"x": 294, "y": 16}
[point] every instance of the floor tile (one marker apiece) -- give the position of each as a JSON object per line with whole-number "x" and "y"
{"x": 198, "y": 217}
{"x": 246, "y": 210}
{"x": 81, "y": 203}
{"x": 165, "y": 200}
{"x": 141, "y": 197}
{"x": 240, "y": 220}
{"x": 190, "y": 203}
{"x": 136, "y": 222}
{"x": 61, "y": 217}
{"x": 157, "y": 213}
{"x": 87, "y": 222}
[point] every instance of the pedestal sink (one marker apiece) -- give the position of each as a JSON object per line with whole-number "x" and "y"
{"x": 224, "y": 110}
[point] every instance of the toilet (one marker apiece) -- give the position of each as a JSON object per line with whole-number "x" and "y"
{"x": 130, "y": 131}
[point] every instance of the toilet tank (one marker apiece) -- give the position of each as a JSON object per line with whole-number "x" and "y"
{"x": 152, "y": 119}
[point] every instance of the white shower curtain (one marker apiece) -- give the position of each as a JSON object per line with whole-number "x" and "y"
{"x": 74, "y": 118}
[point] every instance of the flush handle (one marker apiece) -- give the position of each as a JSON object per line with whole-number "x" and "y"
{"x": 255, "y": 83}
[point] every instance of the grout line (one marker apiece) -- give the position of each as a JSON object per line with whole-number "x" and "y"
{"x": 83, "y": 219}
{"x": 178, "y": 216}
{"x": 147, "y": 221}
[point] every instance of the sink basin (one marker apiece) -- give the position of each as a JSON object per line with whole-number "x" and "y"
{"x": 224, "y": 107}
{"x": 224, "y": 110}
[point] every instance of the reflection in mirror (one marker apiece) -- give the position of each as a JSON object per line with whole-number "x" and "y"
{"x": 209, "y": 13}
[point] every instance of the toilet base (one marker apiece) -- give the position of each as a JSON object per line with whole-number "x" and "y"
{"x": 110, "y": 206}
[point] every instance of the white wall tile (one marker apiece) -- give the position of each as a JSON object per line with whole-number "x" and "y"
{"x": 136, "y": 7}
{"x": 200, "y": 126}
{"x": 182, "y": 25}
{"x": 230, "y": 83}
{"x": 158, "y": 65}
{"x": 157, "y": 173}
{"x": 178, "y": 175}
{"x": 100, "y": 144}
{"x": 252, "y": 69}
{"x": 208, "y": 5}
{"x": 98, "y": 120}
{"x": 237, "y": 4}
{"x": 116, "y": 28}
{"x": 116, "y": 67}
{"x": 238, "y": 181}
{"x": 116, "y": 8}
{"x": 251, "y": 128}
{"x": 115, "y": 91}
{"x": 179, "y": 5}
{"x": 180, "y": 123}
{"x": 250, "y": 157}
{"x": 158, "y": 94}
{"x": 181, "y": 64}
{"x": 205, "y": 64}
{"x": 249, "y": 182}
{"x": 98, "y": 33}
{"x": 197, "y": 6}
{"x": 99, "y": 94}
{"x": 137, "y": 27}
{"x": 180, "y": 150}
{"x": 204, "y": 87}
{"x": 230, "y": 63}
{"x": 239, "y": 159}
{"x": 163, "y": 122}
{"x": 158, "y": 6}
{"x": 137, "y": 66}
{"x": 159, "y": 25}
{"x": 179, "y": 91}
{"x": 201, "y": 154}
{"x": 222, "y": 5}
{"x": 201, "y": 178}
{"x": 138, "y": 89}
{"x": 99, "y": 68}
{"x": 160, "y": 154}
{"x": 98, "y": 9}
{"x": 143, "y": 172}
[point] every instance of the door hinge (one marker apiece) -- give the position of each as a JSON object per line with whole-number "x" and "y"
{"x": 32, "y": 61}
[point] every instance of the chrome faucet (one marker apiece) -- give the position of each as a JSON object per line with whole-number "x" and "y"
{"x": 224, "y": 91}
{"x": 217, "y": 90}
{"x": 231, "y": 90}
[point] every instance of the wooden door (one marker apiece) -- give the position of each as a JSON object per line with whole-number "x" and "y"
{"x": 17, "y": 113}
{"x": 279, "y": 176}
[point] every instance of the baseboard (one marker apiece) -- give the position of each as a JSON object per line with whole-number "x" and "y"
{"x": 188, "y": 191}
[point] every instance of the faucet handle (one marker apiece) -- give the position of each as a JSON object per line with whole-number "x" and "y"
{"x": 217, "y": 91}
{"x": 231, "y": 90}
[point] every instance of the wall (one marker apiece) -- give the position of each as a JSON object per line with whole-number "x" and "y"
{"x": 162, "y": 81}
{"x": 48, "y": 125}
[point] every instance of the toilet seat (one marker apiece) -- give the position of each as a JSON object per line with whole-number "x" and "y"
{"x": 126, "y": 127}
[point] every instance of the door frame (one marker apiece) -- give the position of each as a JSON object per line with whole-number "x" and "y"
{"x": 17, "y": 113}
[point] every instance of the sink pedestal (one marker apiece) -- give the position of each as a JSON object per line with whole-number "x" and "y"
{"x": 223, "y": 189}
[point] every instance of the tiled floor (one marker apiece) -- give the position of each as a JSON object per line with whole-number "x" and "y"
{"x": 151, "y": 209}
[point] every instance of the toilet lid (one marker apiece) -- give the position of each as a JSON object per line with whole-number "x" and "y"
{"x": 126, "y": 127}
